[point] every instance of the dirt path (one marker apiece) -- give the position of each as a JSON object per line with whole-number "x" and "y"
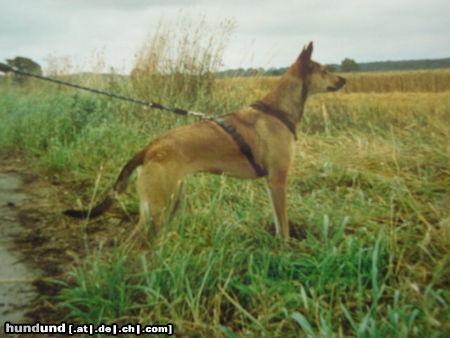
{"x": 32, "y": 244}
{"x": 16, "y": 290}
{"x": 38, "y": 244}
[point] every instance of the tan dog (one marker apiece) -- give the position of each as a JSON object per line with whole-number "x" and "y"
{"x": 251, "y": 143}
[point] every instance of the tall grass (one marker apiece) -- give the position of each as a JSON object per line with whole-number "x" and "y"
{"x": 368, "y": 199}
{"x": 177, "y": 66}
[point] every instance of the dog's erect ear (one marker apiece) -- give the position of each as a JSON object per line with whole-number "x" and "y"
{"x": 306, "y": 53}
{"x": 301, "y": 65}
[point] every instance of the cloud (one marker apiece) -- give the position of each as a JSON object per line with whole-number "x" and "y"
{"x": 268, "y": 32}
{"x": 122, "y": 5}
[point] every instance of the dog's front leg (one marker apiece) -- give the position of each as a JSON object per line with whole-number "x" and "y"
{"x": 276, "y": 186}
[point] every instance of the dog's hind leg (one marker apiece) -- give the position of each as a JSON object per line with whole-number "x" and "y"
{"x": 159, "y": 187}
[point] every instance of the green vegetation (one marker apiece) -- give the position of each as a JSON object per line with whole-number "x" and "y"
{"x": 405, "y": 65}
{"x": 349, "y": 65}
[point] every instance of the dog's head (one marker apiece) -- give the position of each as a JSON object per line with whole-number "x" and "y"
{"x": 314, "y": 75}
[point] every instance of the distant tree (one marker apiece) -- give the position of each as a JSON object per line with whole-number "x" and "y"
{"x": 25, "y": 64}
{"x": 253, "y": 72}
{"x": 271, "y": 72}
{"x": 331, "y": 68}
{"x": 349, "y": 65}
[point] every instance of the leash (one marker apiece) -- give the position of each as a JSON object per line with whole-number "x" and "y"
{"x": 6, "y": 68}
{"x": 228, "y": 127}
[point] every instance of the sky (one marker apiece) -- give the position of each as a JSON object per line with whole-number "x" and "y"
{"x": 267, "y": 33}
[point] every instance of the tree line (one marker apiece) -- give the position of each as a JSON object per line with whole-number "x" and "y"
{"x": 348, "y": 65}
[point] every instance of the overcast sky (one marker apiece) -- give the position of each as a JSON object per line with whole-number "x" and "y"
{"x": 268, "y": 33}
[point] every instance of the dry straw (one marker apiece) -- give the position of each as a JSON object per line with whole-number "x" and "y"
{"x": 177, "y": 64}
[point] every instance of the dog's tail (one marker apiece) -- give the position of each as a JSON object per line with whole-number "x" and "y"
{"x": 119, "y": 187}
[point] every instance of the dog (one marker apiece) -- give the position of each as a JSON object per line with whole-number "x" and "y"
{"x": 251, "y": 143}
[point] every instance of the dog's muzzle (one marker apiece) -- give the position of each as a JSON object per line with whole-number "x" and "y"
{"x": 339, "y": 85}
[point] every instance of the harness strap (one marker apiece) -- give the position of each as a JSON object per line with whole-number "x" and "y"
{"x": 279, "y": 114}
{"x": 243, "y": 145}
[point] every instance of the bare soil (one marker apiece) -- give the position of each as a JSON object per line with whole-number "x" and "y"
{"x": 48, "y": 243}
{"x": 16, "y": 291}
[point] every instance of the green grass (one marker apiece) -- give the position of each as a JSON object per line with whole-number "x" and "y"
{"x": 369, "y": 189}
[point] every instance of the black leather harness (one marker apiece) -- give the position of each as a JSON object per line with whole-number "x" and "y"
{"x": 243, "y": 145}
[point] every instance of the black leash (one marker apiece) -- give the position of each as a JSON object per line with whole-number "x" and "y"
{"x": 6, "y": 68}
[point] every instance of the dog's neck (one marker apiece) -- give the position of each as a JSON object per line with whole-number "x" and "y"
{"x": 290, "y": 97}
